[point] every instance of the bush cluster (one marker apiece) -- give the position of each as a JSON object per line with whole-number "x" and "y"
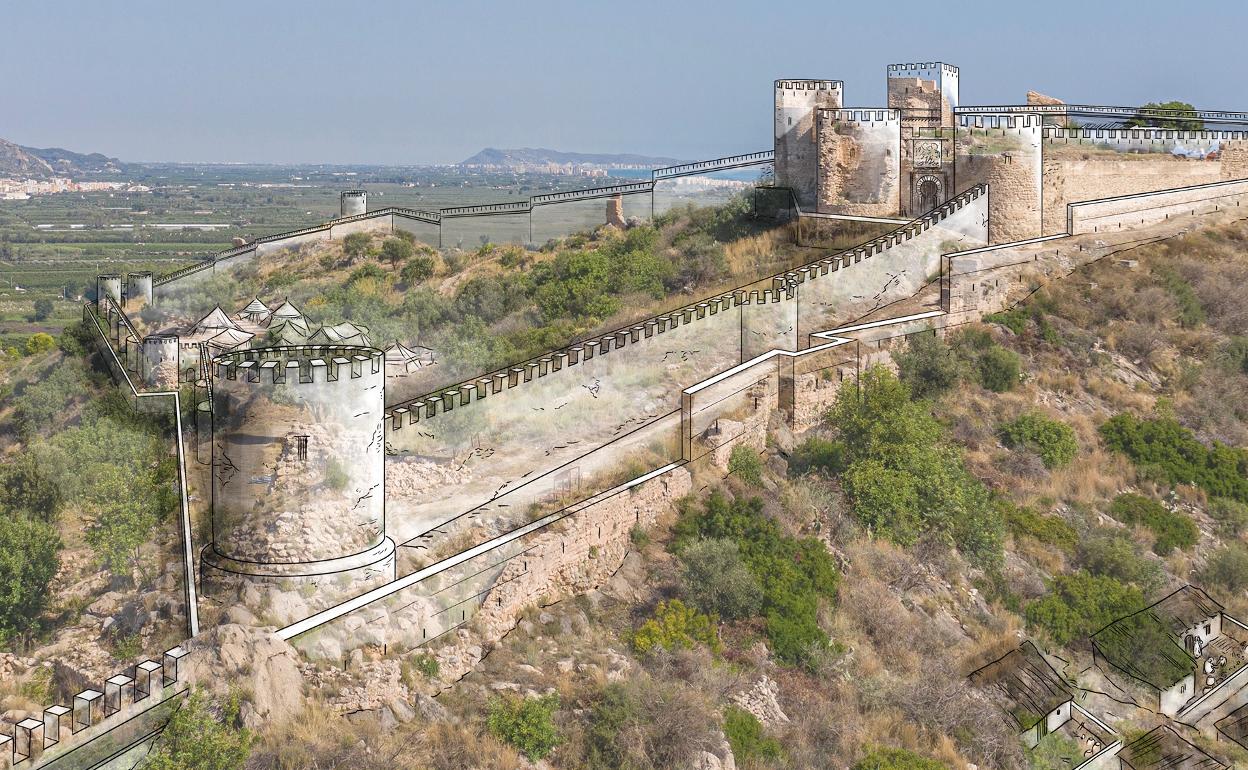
{"x": 746, "y": 737}
{"x": 1166, "y": 451}
{"x": 1170, "y": 530}
{"x": 1050, "y": 530}
{"x": 1053, "y": 440}
{"x": 794, "y": 574}
{"x": 903, "y": 478}
{"x": 1080, "y": 604}
{"x": 745, "y": 464}
{"x": 676, "y": 626}
{"x": 525, "y": 723}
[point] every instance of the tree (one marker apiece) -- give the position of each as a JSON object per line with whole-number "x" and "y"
{"x": 123, "y": 515}
{"x": 418, "y": 268}
{"x": 526, "y": 723}
{"x": 999, "y": 369}
{"x": 717, "y": 580}
{"x": 28, "y": 561}
{"x": 356, "y": 245}
{"x": 396, "y": 250}
{"x": 1183, "y": 119}
{"x": 928, "y": 366}
{"x": 202, "y": 735}
{"x": 43, "y": 309}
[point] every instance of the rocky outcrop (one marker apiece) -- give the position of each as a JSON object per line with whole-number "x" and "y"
{"x": 761, "y": 700}
{"x": 265, "y": 669}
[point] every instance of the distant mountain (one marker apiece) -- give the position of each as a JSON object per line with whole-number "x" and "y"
{"x": 491, "y": 156}
{"x": 37, "y": 163}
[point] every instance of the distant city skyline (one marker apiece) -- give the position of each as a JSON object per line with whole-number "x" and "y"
{"x": 408, "y": 84}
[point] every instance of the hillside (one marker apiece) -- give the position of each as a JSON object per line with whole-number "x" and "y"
{"x": 36, "y": 163}
{"x": 491, "y": 156}
{"x": 979, "y": 496}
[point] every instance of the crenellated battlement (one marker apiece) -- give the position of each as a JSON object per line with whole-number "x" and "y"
{"x": 127, "y": 695}
{"x": 1140, "y": 134}
{"x": 922, "y": 69}
{"x": 810, "y": 85}
{"x": 299, "y": 364}
{"x": 865, "y": 115}
{"x": 1014, "y": 121}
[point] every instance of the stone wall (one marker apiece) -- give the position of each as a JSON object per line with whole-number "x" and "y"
{"x": 1151, "y": 208}
{"x": 859, "y": 162}
{"x": 1070, "y": 181}
{"x": 1003, "y": 151}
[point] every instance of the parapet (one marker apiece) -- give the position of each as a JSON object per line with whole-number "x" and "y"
{"x": 1139, "y": 134}
{"x": 866, "y": 115}
{"x": 932, "y": 69}
{"x": 60, "y": 729}
{"x": 810, "y": 85}
{"x": 1013, "y": 120}
{"x": 299, "y": 364}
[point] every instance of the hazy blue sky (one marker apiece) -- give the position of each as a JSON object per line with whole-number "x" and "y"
{"x": 389, "y": 82}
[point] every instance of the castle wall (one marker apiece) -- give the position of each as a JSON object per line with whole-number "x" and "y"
{"x": 1004, "y": 152}
{"x": 796, "y": 156}
{"x": 859, "y": 162}
{"x": 1083, "y": 164}
{"x": 424, "y": 232}
{"x": 1145, "y": 209}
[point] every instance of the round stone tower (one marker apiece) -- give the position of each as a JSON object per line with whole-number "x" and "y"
{"x": 353, "y": 202}
{"x": 298, "y": 473}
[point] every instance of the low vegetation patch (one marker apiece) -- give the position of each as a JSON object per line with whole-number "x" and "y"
{"x": 1080, "y": 604}
{"x": 525, "y": 723}
{"x": 1053, "y": 440}
{"x": 1167, "y": 452}
{"x": 1170, "y": 529}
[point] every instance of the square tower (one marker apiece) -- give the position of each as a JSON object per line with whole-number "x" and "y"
{"x": 925, "y": 92}
{"x": 796, "y": 150}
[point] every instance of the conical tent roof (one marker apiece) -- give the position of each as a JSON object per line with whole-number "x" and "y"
{"x": 345, "y": 333}
{"x": 287, "y": 310}
{"x": 230, "y": 339}
{"x": 397, "y": 352}
{"x": 215, "y": 320}
{"x": 255, "y": 308}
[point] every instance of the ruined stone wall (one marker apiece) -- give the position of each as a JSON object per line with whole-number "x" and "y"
{"x": 1003, "y": 151}
{"x": 1145, "y": 209}
{"x": 859, "y": 162}
{"x": 796, "y": 153}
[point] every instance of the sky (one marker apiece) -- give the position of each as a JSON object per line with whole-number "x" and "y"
{"x": 408, "y": 83}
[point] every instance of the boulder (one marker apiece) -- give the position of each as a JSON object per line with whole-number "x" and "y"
{"x": 263, "y": 666}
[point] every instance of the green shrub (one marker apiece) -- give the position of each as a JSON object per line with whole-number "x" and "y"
{"x": 745, "y": 464}
{"x": 1163, "y": 449}
{"x": 418, "y": 268}
{"x": 39, "y": 343}
{"x": 745, "y": 734}
{"x": 1228, "y": 568}
{"x": 1231, "y": 516}
{"x": 525, "y": 723}
{"x": 1171, "y": 530}
{"x": 817, "y": 454}
{"x": 1113, "y": 553}
{"x": 1080, "y": 604}
{"x": 202, "y": 735}
{"x": 1050, "y": 530}
{"x": 896, "y": 759}
{"x": 29, "y": 559}
{"x": 336, "y": 477}
{"x": 676, "y": 626}
{"x": 1191, "y": 314}
{"x": 717, "y": 580}
{"x": 999, "y": 369}
{"x": 903, "y": 478}
{"x": 426, "y": 665}
{"x": 396, "y": 250}
{"x": 1014, "y": 319}
{"x": 1053, "y": 440}
{"x": 927, "y": 365}
{"x": 795, "y": 574}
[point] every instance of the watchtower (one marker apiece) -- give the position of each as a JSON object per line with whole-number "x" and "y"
{"x": 352, "y": 202}
{"x": 298, "y": 469}
{"x": 796, "y": 150}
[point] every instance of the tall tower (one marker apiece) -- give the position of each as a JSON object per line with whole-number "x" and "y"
{"x": 796, "y": 150}
{"x": 352, "y": 202}
{"x": 926, "y": 93}
{"x": 298, "y": 471}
